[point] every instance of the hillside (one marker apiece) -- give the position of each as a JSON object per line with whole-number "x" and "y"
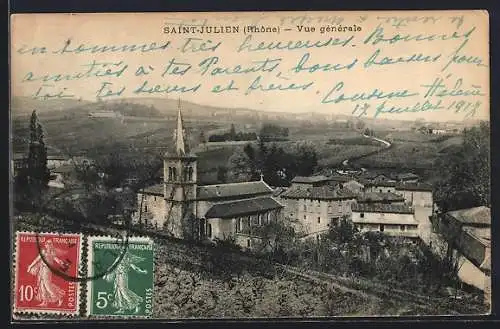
{"x": 25, "y": 105}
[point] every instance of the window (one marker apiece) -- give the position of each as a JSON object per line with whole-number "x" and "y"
{"x": 305, "y": 208}
{"x": 169, "y": 173}
{"x": 209, "y": 230}
{"x": 240, "y": 224}
{"x": 248, "y": 243}
{"x": 155, "y": 198}
{"x": 362, "y": 215}
{"x": 190, "y": 174}
{"x": 381, "y": 227}
{"x": 146, "y": 208}
{"x": 319, "y": 220}
{"x": 402, "y": 227}
{"x": 305, "y": 217}
{"x": 335, "y": 221}
{"x": 268, "y": 219}
{"x": 174, "y": 173}
{"x": 381, "y": 214}
{"x": 256, "y": 220}
{"x": 380, "y": 190}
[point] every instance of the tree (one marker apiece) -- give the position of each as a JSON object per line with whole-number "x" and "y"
{"x": 465, "y": 174}
{"x": 203, "y": 139}
{"x": 360, "y": 125}
{"x": 37, "y": 172}
{"x": 232, "y": 132}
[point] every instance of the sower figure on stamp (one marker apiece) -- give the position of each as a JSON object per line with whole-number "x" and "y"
{"x": 125, "y": 299}
{"x": 46, "y": 290}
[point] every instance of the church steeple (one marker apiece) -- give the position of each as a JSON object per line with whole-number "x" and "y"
{"x": 181, "y": 146}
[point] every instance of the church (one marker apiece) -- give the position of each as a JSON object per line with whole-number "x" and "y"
{"x": 183, "y": 209}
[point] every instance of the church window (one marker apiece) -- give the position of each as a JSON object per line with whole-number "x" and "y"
{"x": 248, "y": 243}
{"x": 256, "y": 220}
{"x": 268, "y": 219}
{"x": 240, "y": 224}
{"x": 185, "y": 174}
{"x": 209, "y": 230}
{"x": 174, "y": 173}
{"x": 169, "y": 173}
{"x": 190, "y": 174}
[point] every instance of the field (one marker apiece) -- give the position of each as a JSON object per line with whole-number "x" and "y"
{"x": 73, "y": 133}
{"x": 410, "y": 150}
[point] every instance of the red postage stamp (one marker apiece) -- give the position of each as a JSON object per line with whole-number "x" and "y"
{"x": 46, "y": 267}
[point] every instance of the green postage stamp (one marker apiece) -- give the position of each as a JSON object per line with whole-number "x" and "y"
{"x": 121, "y": 274}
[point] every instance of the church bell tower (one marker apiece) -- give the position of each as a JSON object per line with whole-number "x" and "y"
{"x": 179, "y": 181}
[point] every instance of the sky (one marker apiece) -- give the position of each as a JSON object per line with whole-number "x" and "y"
{"x": 400, "y": 65}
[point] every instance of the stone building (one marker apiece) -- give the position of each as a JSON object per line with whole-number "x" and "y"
{"x": 181, "y": 208}
{"x": 396, "y": 220}
{"x": 312, "y": 204}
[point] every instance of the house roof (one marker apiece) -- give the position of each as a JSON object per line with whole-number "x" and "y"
{"x": 414, "y": 187}
{"x": 339, "y": 178}
{"x": 382, "y": 208}
{"x": 476, "y": 215}
{"x": 353, "y": 182}
{"x": 207, "y": 192}
{"x": 65, "y": 169}
{"x": 57, "y": 157}
{"x": 383, "y": 183}
{"x": 309, "y": 179}
{"x": 486, "y": 264}
{"x": 278, "y": 190}
{"x": 406, "y": 176}
{"x": 374, "y": 197}
{"x": 326, "y": 192}
{"x": 242, "y": 207}
{"x": 373, "y": 176}
{"x": 482, "y": 234}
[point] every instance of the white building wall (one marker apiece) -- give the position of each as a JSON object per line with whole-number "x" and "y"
{"x": 153, "y": 210}
{"x": 392, "y": 223}
{"x": 471, "y": 275}
{"x": 381, "y": 189}
{"x": 417, "y": 198}
{"x": 312, "y": 216}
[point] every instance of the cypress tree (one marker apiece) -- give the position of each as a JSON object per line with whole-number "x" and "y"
{"x": 38, "y": 174}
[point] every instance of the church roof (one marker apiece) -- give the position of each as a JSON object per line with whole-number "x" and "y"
{"x": 244, "y": 189}
{"x": 242, "y": 207}
{"x": 181, "y": 145}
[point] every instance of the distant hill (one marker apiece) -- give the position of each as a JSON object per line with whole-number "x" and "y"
{"x": 25, "y": 105}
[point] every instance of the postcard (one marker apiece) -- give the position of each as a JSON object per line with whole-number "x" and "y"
{"x": 250, "y": 165}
